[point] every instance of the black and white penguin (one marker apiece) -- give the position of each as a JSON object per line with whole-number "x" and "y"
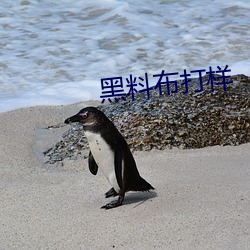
{"x": 110, "y": 152}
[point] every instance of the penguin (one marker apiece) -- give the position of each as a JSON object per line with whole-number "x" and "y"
{"x": 110, "y": 152}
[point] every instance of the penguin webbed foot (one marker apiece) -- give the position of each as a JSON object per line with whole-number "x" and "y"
{"x": 111, "y": 193}
{"x": 115, "y": 203}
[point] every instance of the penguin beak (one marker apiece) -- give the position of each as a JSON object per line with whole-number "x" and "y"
{"x": 74, "y": 118}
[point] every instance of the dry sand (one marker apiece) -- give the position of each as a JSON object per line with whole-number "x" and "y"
{"x": 201, "y": 201}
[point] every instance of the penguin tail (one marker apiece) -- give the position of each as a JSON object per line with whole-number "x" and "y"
{"x": 141, "y": 185}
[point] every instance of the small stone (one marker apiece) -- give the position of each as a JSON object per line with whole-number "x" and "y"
{"x": 147, "y": 140}
{"x": 181, "y": 133}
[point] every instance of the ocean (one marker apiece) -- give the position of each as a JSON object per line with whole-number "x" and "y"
{"x": 57, "y": 52}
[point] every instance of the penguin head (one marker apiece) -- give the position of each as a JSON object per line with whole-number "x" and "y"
{"x": 88, "y": 117}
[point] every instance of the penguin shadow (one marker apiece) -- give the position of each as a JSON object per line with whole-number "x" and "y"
{"x": 138, "y": 198}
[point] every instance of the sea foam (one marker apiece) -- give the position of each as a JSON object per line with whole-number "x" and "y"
{"x": 57, "y": 52}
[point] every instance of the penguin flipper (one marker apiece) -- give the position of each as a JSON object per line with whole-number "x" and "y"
{"x": 118, "y": 166}
{"x": 93, "y": 167}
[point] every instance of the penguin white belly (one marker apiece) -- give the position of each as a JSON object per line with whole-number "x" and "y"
{"x": 104, "y": 157}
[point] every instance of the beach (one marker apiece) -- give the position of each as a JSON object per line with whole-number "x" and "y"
{"x": 190, "y": 139}
{"x": 201, "y": 198}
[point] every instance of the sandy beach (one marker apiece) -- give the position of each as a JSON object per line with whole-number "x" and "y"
{"x": 201, "y": 198}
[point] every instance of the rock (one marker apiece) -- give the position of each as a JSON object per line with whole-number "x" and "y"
{"x": 191, "y": 120}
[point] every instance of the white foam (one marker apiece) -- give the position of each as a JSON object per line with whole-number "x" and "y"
{"x": 242, "y": 67}
{"x": 56, "y": 94}
{"x": 56, "y": 52}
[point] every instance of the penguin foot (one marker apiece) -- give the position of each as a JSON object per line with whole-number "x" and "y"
{"x": 113, "y": 204}
{"x": 111, "y": 193}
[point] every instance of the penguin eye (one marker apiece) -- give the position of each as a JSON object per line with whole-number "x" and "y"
{"x": 84, "y": 115}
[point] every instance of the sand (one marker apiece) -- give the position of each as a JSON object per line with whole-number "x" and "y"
{"x": 201, "y": 201}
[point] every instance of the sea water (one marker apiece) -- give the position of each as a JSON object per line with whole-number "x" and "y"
{"x": 57, "y": 52}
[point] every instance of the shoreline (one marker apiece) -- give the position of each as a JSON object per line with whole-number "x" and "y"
{"x": 201, "y": 198}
